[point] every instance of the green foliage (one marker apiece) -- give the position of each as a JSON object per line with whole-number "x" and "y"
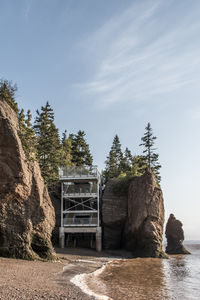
{"x": 120, "y": 164}
{"x": 27, "y": 134}
{"x": 126, "y": 163}
{"x": 49, "y": 150}
{"x": 7, "y": 93}
{"x": 114, "y": 160}
{"x": 139, "y": 166}
{"x": 150, "y": 158}
{"x": 80, "y": 150}
{"x": 67, "y": 149}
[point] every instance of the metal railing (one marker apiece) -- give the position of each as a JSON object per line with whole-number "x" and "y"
{"x": 80, "y": 221}
{"x": 80, "y": 189}
{"x": 78, "y": 172}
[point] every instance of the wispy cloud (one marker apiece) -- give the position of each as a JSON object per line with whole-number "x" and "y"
{"x": 143, "y": 52}
{"x": 27, "y": 8}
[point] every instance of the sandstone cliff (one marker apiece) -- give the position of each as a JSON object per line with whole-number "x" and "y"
{"x": 26, "y": 213}
{"x": 114, "y": 214}
{"x": 135, "y": 222}
{"x": 144, "y": 227}
{"x": 175, "y": 236}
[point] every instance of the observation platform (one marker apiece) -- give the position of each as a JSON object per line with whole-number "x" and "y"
{"x": 82, "y": 173}
{"x": 80, "y": 207}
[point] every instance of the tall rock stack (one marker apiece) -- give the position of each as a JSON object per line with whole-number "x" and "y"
{"x": 144, "y": 227}
{"x": 26, "y": 213}
{"x": 134, "y": 223}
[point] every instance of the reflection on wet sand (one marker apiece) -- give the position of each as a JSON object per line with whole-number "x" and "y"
{"x": 176, "y": 278}
{"x": 135, "y": 279}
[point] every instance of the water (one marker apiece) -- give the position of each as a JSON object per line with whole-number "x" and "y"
{"x": 177, "y": 278}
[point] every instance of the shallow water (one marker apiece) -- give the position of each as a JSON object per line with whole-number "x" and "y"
{"x": 177, "y": 278}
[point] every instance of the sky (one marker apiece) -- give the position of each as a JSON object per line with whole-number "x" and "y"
{"x": 109, "y": 67}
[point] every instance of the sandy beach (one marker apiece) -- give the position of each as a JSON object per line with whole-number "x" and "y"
{"x": 21, "y": 279}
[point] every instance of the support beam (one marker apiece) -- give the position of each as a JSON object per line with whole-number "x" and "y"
{"x": 62, "y": 237}
{"x": 98, "y": 239}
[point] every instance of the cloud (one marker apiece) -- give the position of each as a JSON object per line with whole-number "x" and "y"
{"x": 27, "y": 8}
{"x": 142, "y": 53}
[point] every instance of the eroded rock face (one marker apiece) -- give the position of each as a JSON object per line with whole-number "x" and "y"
{"x": 114, "y": 214}
{"x": 26, "y": 213}
{"x": 144, "y": 227}
{"x": 175, "y": 236}
{"x": 135, "y": 223}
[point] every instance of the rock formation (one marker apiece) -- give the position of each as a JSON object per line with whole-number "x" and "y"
{"x": 26, "y": 213}
{"x": 175, "y": 236}
{"x": 135, "y": 223}
{"x": 144, "y": 227}
{"x": 114, "y": 214}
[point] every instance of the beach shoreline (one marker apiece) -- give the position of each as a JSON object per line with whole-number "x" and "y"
{"x": 22, "y": 279}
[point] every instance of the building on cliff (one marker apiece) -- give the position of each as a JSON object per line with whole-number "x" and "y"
{"x": 80, "y": 207}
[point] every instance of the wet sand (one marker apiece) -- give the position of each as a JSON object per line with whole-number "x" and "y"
{"x": 29, "y": 280}
{"x": 83, "y": 274}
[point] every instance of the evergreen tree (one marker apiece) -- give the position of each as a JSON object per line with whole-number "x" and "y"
{"x": 80, "y": 150}
{"x": 126, "y": 164}
{"x": 7, "y": 93}
{"x": 114, "y": 160}
{"x": 139, "y": 166}
{"x": 48, "y": 144}
{"x": 27, "y": 134}
{"x": 67, "y": 149}
{"x": 150, "y": 158}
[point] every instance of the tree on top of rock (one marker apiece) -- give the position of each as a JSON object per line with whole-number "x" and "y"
{"x": 126, "y": 164}
{"x": 27, "y": 134}
{"x": 114, "y": 160}
{"x": 48, "y": 144}
{"x": 81, "y": 155}
{"x": 150, "y": 158}
{"x": 67, "y": 149}
{"x": 7, "y": 93}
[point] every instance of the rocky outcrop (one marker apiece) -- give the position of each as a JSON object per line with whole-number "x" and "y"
{"x": 175, "y": 236}
{"x": 55, "y": 196}
{"x": 134, "y": 223}
{"x": 26, "y": 213}
{"x": 144, "y": 227}
{"x": 114, "y": 214}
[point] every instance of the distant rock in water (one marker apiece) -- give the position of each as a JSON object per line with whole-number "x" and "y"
{"x": 26, "y": 213}
{"x": 135, "y": 222}
{"x": 175, "y": 236}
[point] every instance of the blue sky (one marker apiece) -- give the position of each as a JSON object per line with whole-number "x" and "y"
{"x": 110, "y": 67}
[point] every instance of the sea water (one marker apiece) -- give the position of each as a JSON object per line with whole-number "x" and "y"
{"x": 176, "y": 278}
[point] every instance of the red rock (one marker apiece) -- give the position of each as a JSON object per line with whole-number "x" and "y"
{"x": 26, "y": 212}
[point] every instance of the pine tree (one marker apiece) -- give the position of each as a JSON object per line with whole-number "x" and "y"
{"x": 30, "y": 136}
{"x": 150, "y": 158}
{"x": 81, "y": 155}
{"x": 67, "y": 149}
{"x": 7, "y": 93}
{"x": 114, "y": 160}
{"x": 48, "y": 144}
{"x": 139, "y": 166}
{"x": 27, "y": 134}
{"x": 126, "y": 164}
